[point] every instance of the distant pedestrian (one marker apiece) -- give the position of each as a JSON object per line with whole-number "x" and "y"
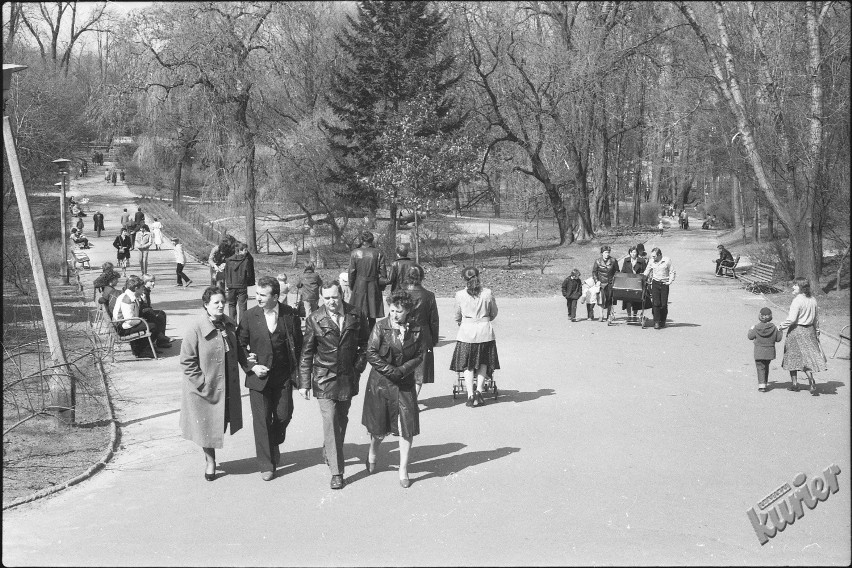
{"x": 368, "y": 276}
{"x": 107, "y": 175}
{"x": 603, "y": 271}
{"x": 660, "y": 271}
{"x": 802, "y": 351}
{"x": 122, "y": 245}
{"x": 765, "y": 335}
{"x": 98, "y": 219}
{"x": 590, "y": 296}
{"x": 157, "y": 233}
{"x": 210, "y": 400}
{"x": 121, "y": 175}
{"x": 284, "y": 288}
{"x": 180, "y": 260}
{"x": 343, "y": 280}
{"x": 139, "y": 217}
{"x": 424, "y": 312}
{"x": 399, "y": 268}
{"x": 572, "y": 289}
{"x": 239, "y": 275}
{"x": 309, "y": 290}
{"x": 125, "y": 220}
{"x": 79, "y": 224}
{"x": 216, "y": 262}
{"x": 114, "y": 177}
{"x": 143, "y": 244}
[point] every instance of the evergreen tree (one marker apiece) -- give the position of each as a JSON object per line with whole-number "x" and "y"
{"x": 394, "y": 58}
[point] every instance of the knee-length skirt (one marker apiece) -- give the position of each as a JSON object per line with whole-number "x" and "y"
{"x": 472, "y": 355}
{"x": 801, "y": 350}
{"x": 389, "y": 407}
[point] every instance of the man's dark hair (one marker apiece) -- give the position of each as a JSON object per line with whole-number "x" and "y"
{"x": 134, "y": 283}
{"x": 367, "y": 237}
{"x": 269, "y": 282}
{"x": 333, "y": 284}
{"x": 402, "y": 299}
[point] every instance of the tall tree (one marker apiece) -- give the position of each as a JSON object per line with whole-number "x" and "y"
{"x": 393, "y": 49}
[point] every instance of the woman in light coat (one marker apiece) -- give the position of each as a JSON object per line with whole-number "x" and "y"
{"x": 476, "y": 346}
{"x": 157, "y": 233}
{"x": 802, "y": 351}
{"x": 210, "y": 400}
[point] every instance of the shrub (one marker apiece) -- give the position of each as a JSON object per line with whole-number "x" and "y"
{"x": 723, "y": 212}
{"x": 778, "y": 252}
{"x": 649, "y": 213}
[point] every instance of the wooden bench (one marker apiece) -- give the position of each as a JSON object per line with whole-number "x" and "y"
{"x": 759, "y": 278}
{"x": 844, "y": 336}
{"x": 81, "y": 258}
{"x": 730, "y": 271}
{"x": 105, "y": 320}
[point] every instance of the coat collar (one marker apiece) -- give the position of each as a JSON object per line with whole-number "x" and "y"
{"x": 207, "y": 326}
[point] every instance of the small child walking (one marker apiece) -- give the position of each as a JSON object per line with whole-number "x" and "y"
{"x": 765, "y": 335}
{"x": 180, "y": 259}
{"x": 590, "y": 296}
{"x": 572, "y": 289}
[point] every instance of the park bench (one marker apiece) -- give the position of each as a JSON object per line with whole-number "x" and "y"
{"x": 730, "y": 270}
{"x": 759, "y": 278}
{"x": 105, "y": 320}
{"x": 844, "y": 336}
{"x": 80, "y": 258}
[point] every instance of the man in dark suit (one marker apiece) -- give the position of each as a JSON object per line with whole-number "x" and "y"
{"x": 333, "y": 357}
{"x": 368, "y": 276}
{"x": 98, "y": 218}
{"x": 273, "y": 343}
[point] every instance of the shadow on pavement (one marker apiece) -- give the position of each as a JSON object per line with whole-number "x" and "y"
{"x": 828, "y": 387}
{"x": 677, "y": 324}
{"x": 517, "y": 396}
{"x": 449, "y": 465}
{"x": 438, "y": 402}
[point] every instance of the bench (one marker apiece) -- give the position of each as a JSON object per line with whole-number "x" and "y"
{"x": 844, "y": 336}
{"x": 759, "y": 278}
{"x": 730, "y": 271}
{"x": 81, "y": 258}
{"x": 105, "y": 319}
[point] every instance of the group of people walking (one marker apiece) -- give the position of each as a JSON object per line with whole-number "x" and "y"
{"x": 328, "y": 358}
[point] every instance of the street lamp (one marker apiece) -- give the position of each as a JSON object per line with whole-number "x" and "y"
{"x": 62, "y": 165}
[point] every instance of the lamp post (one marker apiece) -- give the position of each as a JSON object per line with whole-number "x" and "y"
{"x": 62, "y": 165}
{"x": 62, "y": 386}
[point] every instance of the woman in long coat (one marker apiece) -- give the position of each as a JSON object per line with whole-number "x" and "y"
{"x": 157, "y": 233}
{"x": 394, "y": 350}
{"x": 633, "y": 264}
{"x": 802, "y": 351}
{"x": 211, "y": 356}
{"x": 424, "y": 313}
{"x": 368, "y": 276}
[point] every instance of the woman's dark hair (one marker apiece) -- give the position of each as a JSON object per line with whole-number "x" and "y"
{"x": 134, "y": 283}
{"x": 804, "y": 286}
{"x": 414, "y": 274}
{"x": 145, "y": 227}
{"x": 471, "y": 276}
{"x": 401, "y": 298}
{"x": 108, "y": 267}
{"x": 209, "y": 292}
{"x": 631, "y": 249}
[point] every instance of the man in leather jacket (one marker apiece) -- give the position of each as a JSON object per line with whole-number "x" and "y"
{"x": 603, "y": 271}
{"x": 334, "y": 355}
{"x": 368, "y": 276}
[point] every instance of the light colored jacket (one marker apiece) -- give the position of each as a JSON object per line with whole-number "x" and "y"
{"x": 143, "y": 240}
{"x": 803, "y": 311}
{"x": 125, "y": 310}
{"x": 180, "y": 258}
{"x": 474, "y": 315}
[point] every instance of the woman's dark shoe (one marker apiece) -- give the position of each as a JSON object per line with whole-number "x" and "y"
{"x": 405, "y": 483}
{"x": 479, "y": 400}
{"x": 209, "y": 476}
{"x": 794, "y": 388}
{"x": 469, "y": 401}
{"x": 813, "y": 390}
{"x": 369, "y": 466}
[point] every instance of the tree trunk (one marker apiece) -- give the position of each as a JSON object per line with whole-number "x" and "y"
{"x": 756, "y": 219}
{"x": 542, "y": 174}
{"x": 176, "y": 186}
{"x": 390, "y": 237}
{"x": 770, "y": 224}
{"x": 600, "y": 216}
{"x": 251, "y": 196}
{"x": 735, "y": 199}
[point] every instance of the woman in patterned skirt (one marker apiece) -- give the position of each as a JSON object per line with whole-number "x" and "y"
{"x": 476, "y": 347}
{"x": 802, "y": 351}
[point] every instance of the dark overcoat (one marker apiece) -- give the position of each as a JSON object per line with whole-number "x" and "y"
{"x": 425, "y": 314}
{"x": 368, "y": 275}
{"x": 205, "y": 374}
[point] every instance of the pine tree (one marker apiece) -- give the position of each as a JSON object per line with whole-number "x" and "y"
{"x": 393, "y": 51}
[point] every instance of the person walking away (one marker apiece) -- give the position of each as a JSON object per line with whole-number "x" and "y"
{"x": 424, "y": 313}
{"x": 725, "y": 259}
{"x": 122, "y": 245}
{"x": 334, "y": 355}
{"x": 139, "y": 216}
{"x": 572, "y": 289}
{"x": 125, "y": 220}
{"x": 399, "y": 268}
{"x": 114, "y": 177}
{"x": 180, "y": 260}
{"x": 368, "y": 276}
{"x": 343, "y": 280}
{"x": 210, "y": 391}
{"x": 143, "y": 245}
{"x": 157, "y": 234}
{"x": 268, "y": 336}
{"x": 127, "y": 321}
{"x": 765, "y": 335}
{"x": 662, "y": 275}
{"x": 802, "y": 351}
{"x": 216, "y": 262}
{"x": 633, "y": 264}
{"x": 121, "y": 174}
{"x": 309, "y": 289}
{"x": 603, "y": 272}
{"x": 284, "y": 286}
{"x": 395, "y": 350}
{"x": 476, "y": 345}
{"x": 239, "y": 275}
{"x": 98, "y": 220}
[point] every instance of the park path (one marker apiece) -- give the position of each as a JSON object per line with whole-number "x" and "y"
{"x": 607, "y": 445}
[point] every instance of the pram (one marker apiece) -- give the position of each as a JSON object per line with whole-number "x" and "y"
{"x": 632, "y": 288}
{"x": 488, "y": 384}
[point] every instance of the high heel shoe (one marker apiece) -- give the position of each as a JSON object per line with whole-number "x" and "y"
{"x": 210, "y": 476}
{"x": 405, "y": 483}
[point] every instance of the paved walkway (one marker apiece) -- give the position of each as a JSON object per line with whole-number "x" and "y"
{"x": 607, "y": 445}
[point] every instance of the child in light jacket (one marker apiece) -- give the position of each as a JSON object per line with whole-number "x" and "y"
{"x": 765, "y": 335}
{"x": 590, "y": 295}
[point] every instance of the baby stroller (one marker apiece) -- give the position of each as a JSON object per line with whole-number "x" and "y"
{"x": 460, "y": 388}
{"x": 631, "y": 288}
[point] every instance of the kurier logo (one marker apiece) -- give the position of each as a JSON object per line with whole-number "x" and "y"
{"x": 787, "y": 511}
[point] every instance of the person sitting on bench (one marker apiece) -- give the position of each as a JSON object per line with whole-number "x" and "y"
{"x": 78, "y": 238}
{"x": 726, "y": 259}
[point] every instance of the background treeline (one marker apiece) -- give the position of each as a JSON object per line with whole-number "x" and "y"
{"x": 578, "y": 111}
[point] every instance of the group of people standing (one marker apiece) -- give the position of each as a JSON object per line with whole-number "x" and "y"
{"x": 657, "y": 275}
{"x": 327, "y": 360}
{"x": 137, "y": 235}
